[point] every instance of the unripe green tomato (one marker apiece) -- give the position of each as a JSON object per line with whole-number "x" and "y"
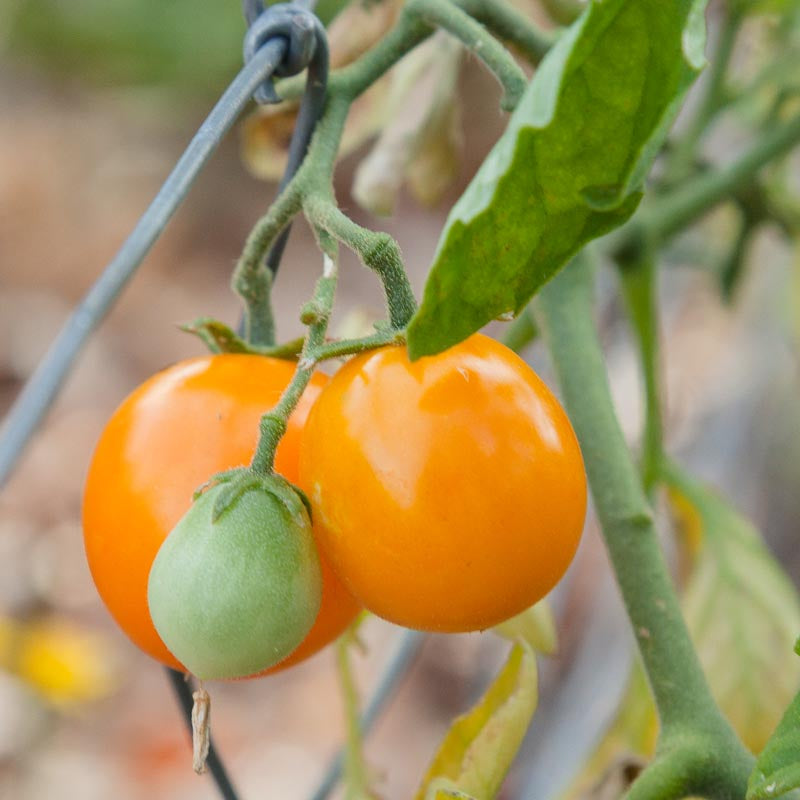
{"x": 236, "y": 585}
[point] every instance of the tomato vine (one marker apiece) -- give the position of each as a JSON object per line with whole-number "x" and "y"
{"x": 536, "y": 173}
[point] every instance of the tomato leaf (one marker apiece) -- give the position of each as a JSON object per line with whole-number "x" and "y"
{"x": 569, "y": 166}
{"x": 743, "y": 613}
{"x": 477, "y": 751}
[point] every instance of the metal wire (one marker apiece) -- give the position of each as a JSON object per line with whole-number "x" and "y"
{"x": 41, "y": 389}
{"x": 306, "y": 45}
{"x": 410, "y": 644}
{"x": 183, "y": 692}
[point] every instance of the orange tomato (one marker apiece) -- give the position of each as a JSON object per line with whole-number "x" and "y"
{"x": 448, "y": 494}
{"x": 183, "y": 425}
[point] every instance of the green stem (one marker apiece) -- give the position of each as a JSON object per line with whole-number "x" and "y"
{"x": 273, "y": 423}
{"x": 521, "y": 332}
{"x": 356, "y": 772}
{"x": 252, "y": 280}
{"x": 512, "y": 26}
{"x": 351, "y": 347}
{"x": 732, "y": 267}
{"x": 683, "y": 155}
{"x": 684, "y": 702}
{"x": 447, "y": 16}
{"x": 378, "y": 251}
{"x": 639, "y": 287}
{"x": 356, "y": 78}
{"x": 676, "y": 210}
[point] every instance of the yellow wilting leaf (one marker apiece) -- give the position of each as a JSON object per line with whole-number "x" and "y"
{"x": 64, "y": 663}
{"x": 743, "y": 614}
{"x": 535, "y": 626}
{"x": 477, "y": 751}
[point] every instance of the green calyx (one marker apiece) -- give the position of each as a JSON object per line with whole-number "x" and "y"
{"x": 236, "y": 585}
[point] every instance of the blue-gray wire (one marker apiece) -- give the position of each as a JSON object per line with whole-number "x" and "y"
{"x": 183, "y": 690}
{"x": 38, "y": 394}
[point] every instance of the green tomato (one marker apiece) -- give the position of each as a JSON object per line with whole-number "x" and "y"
{"x": 236, "y": 585}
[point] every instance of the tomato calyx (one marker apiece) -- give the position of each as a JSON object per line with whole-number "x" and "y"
{"x": 244, "y": 479}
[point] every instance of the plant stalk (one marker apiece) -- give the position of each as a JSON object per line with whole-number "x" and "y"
{"x": 686, "y": 708}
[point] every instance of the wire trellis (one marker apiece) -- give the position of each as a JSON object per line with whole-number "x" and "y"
{"x": 281, "y": 40}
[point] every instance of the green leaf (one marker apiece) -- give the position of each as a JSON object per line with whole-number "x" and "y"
{"x": 569, "y": 166}
{"x": 777, "y": 770}
{"x": 742, "y": 611}
{"x": 477, "y": 751}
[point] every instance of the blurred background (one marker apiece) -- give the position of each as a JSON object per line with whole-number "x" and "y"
{"x": 97, "y": 101}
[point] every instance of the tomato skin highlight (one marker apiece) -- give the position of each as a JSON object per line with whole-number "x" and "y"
{"x": 448, "y": 494}
{"x": 174, "y": 432}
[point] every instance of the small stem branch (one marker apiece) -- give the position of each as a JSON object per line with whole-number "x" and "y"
{"x": 521, "y": 332}
{"x": 356, "y": 772}
{"x": 682, "y": 697}
{"x": 356, "y": 78}
{"x": 675, "y": 211}
{"x": 680, "y": 163}
{"x": 666, "y": 778}
{"x": 351, "y": 347}
{"x": 317, "y": 313}
{"x": 447, "y": 16}
{"x": 252, "y": 279}
{"x": 639, "y": 287}
{"x": 378, "y": 251}
{"x": 512, "y": 26}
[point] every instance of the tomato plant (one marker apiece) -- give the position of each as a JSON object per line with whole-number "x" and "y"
{"x": 444, "y": 481}
{"x": 448, "y": 493}
{"x": 175, "y": 431}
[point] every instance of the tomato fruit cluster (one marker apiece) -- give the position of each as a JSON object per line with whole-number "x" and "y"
{"x": 446, "y": 494}
{"x": 174, "y": 432}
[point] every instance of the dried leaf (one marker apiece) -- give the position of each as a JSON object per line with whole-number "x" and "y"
{"x": 477, "y": 751}
{"x": 743, "y": 613}
{"x": 421, "y": 122}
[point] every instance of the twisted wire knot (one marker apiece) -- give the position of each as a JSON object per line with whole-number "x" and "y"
{"x": 292, "y": 24}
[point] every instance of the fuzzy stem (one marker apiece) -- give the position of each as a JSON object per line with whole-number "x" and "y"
{"x": 683, "y": 699}
{"x": 474, "y": 36}
{"x": 680, "y": 163}
{"x": 378, "y": 251}
{"x": 521, "y": 332}
{"x": 274, "y": 422}
{"x": 512, "y": 26}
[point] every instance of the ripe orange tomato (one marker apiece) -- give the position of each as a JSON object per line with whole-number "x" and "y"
{"x": 448, "y": 494}
{"x": 183, "y": 425}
